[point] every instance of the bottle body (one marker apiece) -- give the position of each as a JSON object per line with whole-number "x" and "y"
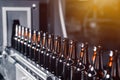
{"x": 60, "y": 67}
{"x": 14, "y": 33}
{"x": 29, "y": 49}
{"x": 37, "y": 54}
{"x": 42, "y": 57}
{"x": 47, "y": 60}
{"x": 15, "y": 42}
{"x": 68, "y": 69}
{"x": 53, "y": 59}
{"x": 25, "y": 48}
{"x": 33, "y": 51}
{"x": 22, "y": 46}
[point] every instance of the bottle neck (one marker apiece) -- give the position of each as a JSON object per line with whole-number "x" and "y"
{"x": 19, "y": 31}
{"x": 94, "y": 56}
{"x": 82, "y": 53}
{"x": 99, "y": 62}
{"x": 16, "y": 30}
{"x": 22, "y": 33}
{"x": 50, "y": 42}
{"x": 34, "y": 37}
{"x": 26, "y": 33}
{"x": 65, "y": 45}
{"x": 44, "y": 42}
{"x": 72, "y": 51}
{"x": 57, "y": 45}
{"x": 38, "y": 38}
{"x": 29, "y": 35}
{"x": 110, "y": 64}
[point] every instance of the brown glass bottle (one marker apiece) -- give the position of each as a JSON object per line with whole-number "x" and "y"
{"x": 86, "y": 60}
{"x": 80, "y": 66}
{"x": 50, "y": 44}
{"x": 22, "y": 41}
{"x": 68, "y": 66}
{"x": 15, "y": 38}
{"x": 54, "y": 56}
{"x": 33, "y": 52}
{"x": 19, "y": 37}
{"x": 14, "y": 32}
{"x": 115, "y": 68}
{"x": 38, "y": 37}
{"x": 29, "y": 46}
{"x": 62, "y": 58}
{"x": 91, "y": 73}
{"x": 25, "y": 42}
{"x": 38, "y": 46}
{"x": 37, "y": 54}
{"x": 43, "y": 50}
{"x": 33, "y": 48}
{"x": 99, "y": 65}
{"x": 108, "y": 67}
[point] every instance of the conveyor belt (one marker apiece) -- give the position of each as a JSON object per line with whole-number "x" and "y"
{"x": 37, "y": 71}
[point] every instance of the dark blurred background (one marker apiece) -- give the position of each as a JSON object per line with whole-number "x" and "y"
{"x": 94, "y": 21}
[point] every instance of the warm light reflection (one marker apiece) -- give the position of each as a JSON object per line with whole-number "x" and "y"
{"x": 105, "y": 2}
{"x": 106, "y": 5}
{"x": 95, "y": 21}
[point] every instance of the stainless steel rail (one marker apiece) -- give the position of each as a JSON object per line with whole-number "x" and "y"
{"x": 38, "y": 72}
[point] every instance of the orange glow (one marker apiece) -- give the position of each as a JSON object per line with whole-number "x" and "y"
{"x": 95, "y": 7}
{"x": 110, "y": 64}
{"x": 29, "y": 35}
{"x": 93, "y": 58}
{"x": 38, "y": 39}
{"x": 26, "y": 35}
{"x": 111, "y": 59}
{"x": 106, "y": 2}
{"x": 81, "y": 54}
{"x": 34, "y": 37}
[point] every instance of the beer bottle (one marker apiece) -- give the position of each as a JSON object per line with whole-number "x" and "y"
{"x": 22, "y": 41}
{"x": 49, "y": 52}
{"x": 115, "y": 67}
{"x": 38, "y": 46}
{"x": 62, "y": 58}
{"x": 43, "y": 50}
{"x": 86, "y": 60}
{"x": 38, "y": 37}
{"x": 80, "y": 66}
{"x": 14, "y": 32}
{"x": 108, "y": 67}
{"x": 29, "y": 46}
{"x": 25, "y": 42}
{"x": 68, "y": 66}
{"x": 91, "y": 73}
{"x": 54, "y": 56}
{"x": 99, "y": 65}
{"x": 19, "y": 37}
{"x": 33, "y": 50}
{"x": 15, "y": 38}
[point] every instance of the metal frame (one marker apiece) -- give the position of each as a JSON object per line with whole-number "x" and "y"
{"x": 4, "y": 19}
